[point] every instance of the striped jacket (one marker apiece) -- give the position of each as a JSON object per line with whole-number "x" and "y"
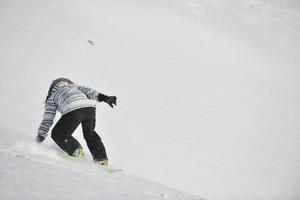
{"x": 66, "y": 98}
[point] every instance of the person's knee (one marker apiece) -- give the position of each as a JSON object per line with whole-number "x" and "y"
{"x": 90, "y": 135}
{"x": 87, "y": 135}
{"x": 55, "y": 135}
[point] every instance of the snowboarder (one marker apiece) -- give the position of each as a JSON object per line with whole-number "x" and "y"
{"x": 76, "y": 105}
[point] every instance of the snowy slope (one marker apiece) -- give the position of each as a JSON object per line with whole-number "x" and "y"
{"x": 32, "y": 171}
{"x": 208, "y": 96}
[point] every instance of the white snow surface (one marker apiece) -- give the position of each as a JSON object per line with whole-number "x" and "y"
{"x": 208, "y": 97}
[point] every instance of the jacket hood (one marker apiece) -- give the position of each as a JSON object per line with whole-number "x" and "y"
{"x": 58, "y": 85}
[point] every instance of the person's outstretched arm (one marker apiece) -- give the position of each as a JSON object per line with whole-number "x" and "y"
{"x": 48, "y": 117}
{"x": 89, "y": 92}
{"x": 95, "y": 95}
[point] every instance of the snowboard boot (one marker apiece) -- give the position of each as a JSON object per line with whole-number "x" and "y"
{"x": 103, "y": 162}
{"x": 78, "y": 153}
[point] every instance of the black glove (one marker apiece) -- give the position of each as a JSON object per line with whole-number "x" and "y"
{"x": 39, "y": 139}
{"x": 110, "y": 100}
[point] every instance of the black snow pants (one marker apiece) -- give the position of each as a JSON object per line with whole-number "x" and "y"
{"x": 67, "y": 124}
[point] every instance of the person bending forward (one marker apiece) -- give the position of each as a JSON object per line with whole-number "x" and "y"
{"x": 77, "y": 105}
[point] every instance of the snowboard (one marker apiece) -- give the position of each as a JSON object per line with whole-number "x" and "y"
{"x": 107, "y": 168}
